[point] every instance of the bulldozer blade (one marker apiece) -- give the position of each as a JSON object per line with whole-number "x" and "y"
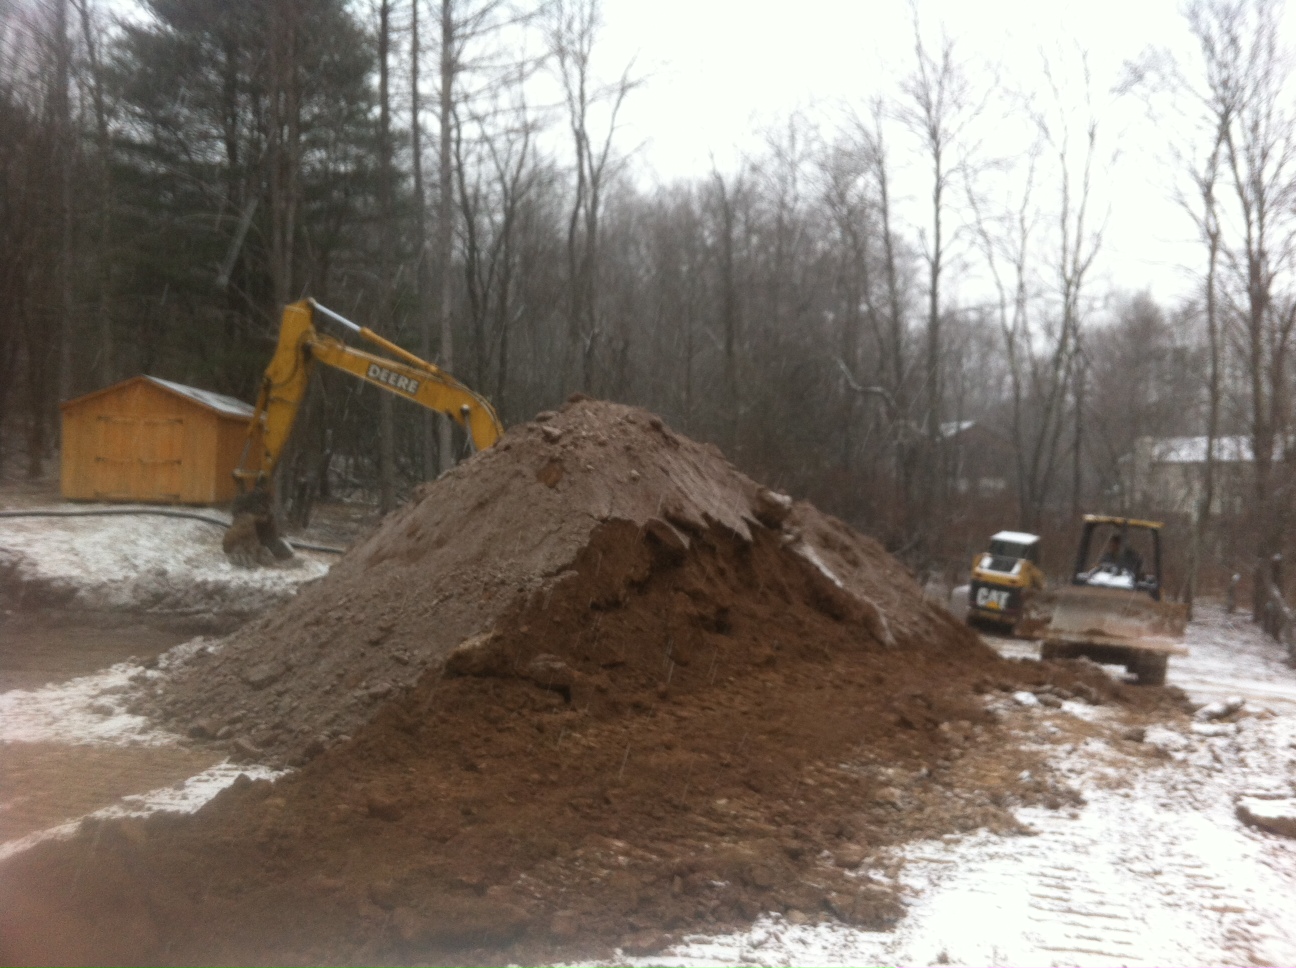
{"x": 1104, "y": 616}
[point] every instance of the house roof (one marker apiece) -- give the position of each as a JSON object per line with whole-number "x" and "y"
{"x": 225, "y": 405}
{"x": 951, "y": 428}
{"x": 1015, "y": 537}
{"x": 1192, "y": 450}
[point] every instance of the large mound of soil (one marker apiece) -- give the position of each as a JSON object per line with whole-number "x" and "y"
{"x": 593, "y": 688}
{"x": 500, "y": 532}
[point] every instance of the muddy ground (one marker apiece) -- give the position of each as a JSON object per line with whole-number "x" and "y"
{"x": 594, "y": 695}
{"x": 592, "y": 690}
{"x": 47, "y": 648}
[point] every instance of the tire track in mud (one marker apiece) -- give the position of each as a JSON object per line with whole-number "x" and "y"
{"x": 1152, "y": 870}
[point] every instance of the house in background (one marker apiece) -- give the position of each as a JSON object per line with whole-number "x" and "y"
{"x": 982, "y": 461}
{"x": 1167, "y": 474}
{"x": 152, "y": 440}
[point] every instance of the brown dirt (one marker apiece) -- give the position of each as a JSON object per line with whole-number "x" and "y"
{"x": 47, "y": 648}
{"x": 46, "y": 784}
{"x": 600, "y": 689}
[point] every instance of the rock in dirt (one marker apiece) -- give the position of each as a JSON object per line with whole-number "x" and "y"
{"x": 1220, "y": 709}
{"x": 1276, "y": 816}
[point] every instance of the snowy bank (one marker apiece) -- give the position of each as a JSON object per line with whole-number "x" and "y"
{"x": 138, "y": 564}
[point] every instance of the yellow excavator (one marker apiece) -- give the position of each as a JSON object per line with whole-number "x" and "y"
{"x": 253, "y": 533}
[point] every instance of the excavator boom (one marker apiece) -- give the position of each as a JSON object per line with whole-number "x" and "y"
{"x": 283, "y": 388}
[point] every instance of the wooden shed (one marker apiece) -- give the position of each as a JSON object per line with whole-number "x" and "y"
{"x": 147, "y": 439}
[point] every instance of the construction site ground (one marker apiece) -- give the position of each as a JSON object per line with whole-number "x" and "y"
{"x": 1024, "y": 816}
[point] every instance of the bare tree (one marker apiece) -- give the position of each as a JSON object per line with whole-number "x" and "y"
{"x": 1006, "y": 244}
{"x": 387, "y": 230}
{"x": 940, "y": 106}
{"x": 104, "y": 364}
{"x": 1247, "y": 80}
{"x": 422, "y": 282}
{"x": 573, "y": 29}
{"x": 284, "y": 155}
{"x": 1204, "y": 210}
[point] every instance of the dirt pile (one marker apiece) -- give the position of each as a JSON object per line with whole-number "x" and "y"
{"x": 500, "y": 532}
{"x": 599, "y": 689}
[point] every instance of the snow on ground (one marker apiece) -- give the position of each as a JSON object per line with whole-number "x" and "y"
{"x": 90, "y": 709}
{"x": 1156, "y": 872}
{"x": 1155, "y": 868}
{"x": 1230, "y": 655}
{"x": 139, "y": 564}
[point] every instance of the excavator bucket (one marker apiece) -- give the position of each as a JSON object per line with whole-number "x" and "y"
{"x": 253, "y": 536}
{"x": 1104, "y": 617}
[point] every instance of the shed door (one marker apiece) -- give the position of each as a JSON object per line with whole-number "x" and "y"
{"x": 114, "y": 457}
{"x": 139, "y": 458}
{"x": 160, "y": 442}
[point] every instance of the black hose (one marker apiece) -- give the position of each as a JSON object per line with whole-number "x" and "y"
{"x": 156, "y": 512}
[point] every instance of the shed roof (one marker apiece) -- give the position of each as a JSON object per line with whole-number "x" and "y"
{"x": 208, "y": 398}
{"x": 222, "y": 404}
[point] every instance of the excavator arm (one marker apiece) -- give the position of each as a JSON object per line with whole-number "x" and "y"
{"x": 283, "y": 388}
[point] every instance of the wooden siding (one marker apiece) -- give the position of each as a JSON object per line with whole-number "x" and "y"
{"x": 138, "y": 442}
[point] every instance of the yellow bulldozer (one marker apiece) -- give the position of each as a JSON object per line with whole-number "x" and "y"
{"x": 253, "y": 535}
{"x": 1112, "y": 610}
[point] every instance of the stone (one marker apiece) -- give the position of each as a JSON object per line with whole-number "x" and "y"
{"x": 1219, "y": 709}
{"x": 849, "y": 856}
{"x": 772, "y": 508}
{"x": 643, "y": 943}
{"x": 243, "y": 751}
{"x": 383, "y": 808}
{"x": 1275, "y": 816}
{"x": 565, "y": 925}
{"x": 383, "y": 894}
{"x": 411, "y": 927}
{"x": 265, "y": 674}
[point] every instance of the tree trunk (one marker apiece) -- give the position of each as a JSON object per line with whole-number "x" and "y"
{"x": 427, "y": 421}
{"x": 386, "y": 258}
{"x": 445, "y": 218}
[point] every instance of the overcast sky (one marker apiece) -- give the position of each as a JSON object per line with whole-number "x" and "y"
{"x": 717, "y": 72}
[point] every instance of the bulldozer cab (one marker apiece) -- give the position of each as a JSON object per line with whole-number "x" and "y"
{"x": 1122, "y": 553}
{"x": 1009, "y": 547}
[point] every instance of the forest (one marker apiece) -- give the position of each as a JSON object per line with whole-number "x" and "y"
{"x": 891, "y": 309}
